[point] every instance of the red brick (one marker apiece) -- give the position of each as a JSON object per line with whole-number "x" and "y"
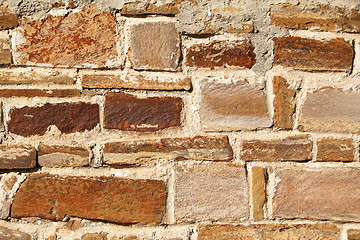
{"x": 313, "y": 55}
{"x": 10, "y": 234}
{"x": 101, "y": 198}
{"x": 221, "y": 54}
{"x": 8, "y": 19}
{"x": 317, "y": 193}
{"x": 87, "y": 37}
{"x": 31, "y": 93}
{"x": 62, "y": 156}
{"x": 318, "y": 17}
{"x": 17, "y": 157}
{"x": 67, "y": 117}
{"x": 127, "y": 112}
{"x": 335, "y": 150}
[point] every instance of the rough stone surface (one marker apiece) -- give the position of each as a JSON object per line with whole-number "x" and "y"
{"x": 258, "y": 192}
{"x": 9, "y": 234}
{"x": 134, "y": 80}
{"x": 8, "y": 19}
{"x": 146, "y": 8}
{"x": 94, "y": 236}
{"x": 221, "y": 54}
{"x": 195, "y": 148}
{"x": 62, "y": 156}
{"x": 5, "y": 53}
{"x": 102, "y": 198}
{"x": 269, "y": 231}
{"x": 315, "y": 17}
{"x": 211, "y": 192}
{"x": 233, "y": 106}
{"x": 353, "y": 234}
{"x": 17, "y": 157}
{"x": 335, "y": 150}
{"x": 296, "y": 148}
{"x": 313, "y": 55}
{"x": 30, "y": 93}
{"x": 127, "y": 112}
{"x": 326, "y": 193}
{"x": 331, "y": 110}
{"x": 160, "y": 52}
{"x": 88, "y": 38}
{"x": 284, "y": 106}
{"x": 67, "y": 117}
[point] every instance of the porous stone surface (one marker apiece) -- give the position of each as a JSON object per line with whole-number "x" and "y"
{"x": 17, "y": 157}
{"x": 335, "y": 150}
{"x": 146, "y": 8}
{"x": 62, "y": 156}
{"x": 5, "y": 52}
{"x": 353, "y": 234}
{"x": 258, "y": 192}
{"x": 10, "y": 234}
{"x": 94, "y": 236}
{"x": 8, "y": 19}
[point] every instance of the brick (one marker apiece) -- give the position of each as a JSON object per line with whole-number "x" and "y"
{"x": 67, "y": 117}
{"x": 258, "y": 192}
{"x": 8, "y": 19}
{"x": 127, "y": 112}
{"x": 144, "y": 8}
{"x": 31, "y": 93}
{"x": 313, "y": 55}
{"x": 17, "y": 157}
{"x": 160, "y": 52}
{"x": 221, "y": 54}
{"x": 317, "y": 193}
{"x": 216, "y": 192}
{"x": 318, "y": 17}
{"x": 141, "y": 151}
{"x": 269, "y": 231}
{"x": 9, "y": 234}
{"x": 233, "y": 106}
{"x": 102, "y": 198}
{"x": 297, "y": 148}
{"x": 353, "y": 234}
{"x": 62, "y": 156}
{"x": 5, "y": 53}
{"x": 88, "y": 38}
{"x": 134, "y": 80}
{"x": 331, "y": 110}
{"x": 94, "y": 236}
{"x": 335, "y": 150}
{"x": 284, "y": 106}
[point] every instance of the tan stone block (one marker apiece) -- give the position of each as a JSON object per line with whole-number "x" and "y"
{"x": 17, "y": 157}
{"x": 94, "y": 236}
{"x": 5, "y": 53}
{"x": 9, "y": 234}
{"x": 284, "y": 106}
{"x": 353, "y": 234}
{"x": 335, "y": 150}
{"x": 8, "y": 19}
{"x": 62, "y": 156}
{"x": 258, "y": 192}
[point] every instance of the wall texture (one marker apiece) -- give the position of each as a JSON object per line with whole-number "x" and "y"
{"x": 179, "y": 119}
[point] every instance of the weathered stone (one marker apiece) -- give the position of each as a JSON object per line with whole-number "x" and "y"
{"x": 258, "y": 192}
{"x": 17, "y": 157}
{"x": 9, "y": 234}
{"x": 313, "y": 55}
{"x": 233, "y": 106}
{"x": 5, "y": 53}
{"x": 210, "y": 193}
{"x": 145, "y": 8}
{"x": 30, "y": 93}
{"x": 195, "y": 148}
{"x": 87, "y": 37}
{"x": 10, "y": 181}
{"x": 160, "y": 52}
{"x": 318, "y": 17}
{"x": 317, "y": 193}
{"x": 8, "y": 19}
{"x": 94, "y": 236}
{"x": 331, "y": 110}
{"x": 134, "y": 80}
{"x": 269, "y": 231}
{"x": 102, "y": 198}
{"x": 53, "y": 237}
{"x": 335, "y": 150}
{"x": 127, "y": 112}
{"x": 131, "y": 238}
{"x": 62, "y": 156}
{"x": 296, "y": 148}
{"x": 284, "y": 106}
{"x": 67, "y": 117}
{"x": 353, "y": 234}
{"x": 221, "y": 54}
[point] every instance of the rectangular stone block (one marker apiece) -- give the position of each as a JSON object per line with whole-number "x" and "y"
{"x": 335, "y": 150}
{"x": 31, "y": 93}
{"x": 296, "y": 148}
{"x": 67, "y": 117}
{"x": 10, "y": 234}
{"x": 258, "y": 192}
{"x": 284, "y": 106}
{"x": 353, "y": 234}
{"x": 145, "y": 8}
{"x": 313, "y": 55}
{"x": 142, "y": 151}
{"x": 5, "y": 53}
{"x": 102, "y": 198}
{"x": 126, "y": 112}
{"x": 17, "y": 157}
{"x": 216, "y": 192}
{"x": 232, "y": 106}
{"x": 317, "y": 193}
{"x": 8, "y": 19}
{"x": 221, "y": 54}
{"x": 62, "y": 156}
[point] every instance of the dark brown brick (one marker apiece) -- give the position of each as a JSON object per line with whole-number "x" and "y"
{"x": 17, "y": 157}
{"x": 313, "y": 55}
{"x": 9, "y": 234}
{"x": 30, "y": 93}
{"x": 101, "y": 198}
{"x": 284, "y": 106}
{"x": 127, "y": 112}
{"x": 67, "y": 117}
{"x": 288, "y": 149}
{"x": 221, "y": 54}
{"x": 7, "y": 19}
{"x": 62, "y": 156}
{"x": 335, "y": 150}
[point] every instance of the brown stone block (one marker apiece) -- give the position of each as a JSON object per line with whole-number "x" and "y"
{"x": 5, "y": 53}
{"x": 17, "y": 157}
{"x": 8, "y": 19}
{"x": 31, "y": 93}
{"x": 335, "y": 150}
{"x": 62, "y": 156}
{"x": 144, "y": 8}
{"x": 353, "y": 234}
{"x": 221, "y": 54}
{"x": 127, "y": 112}
{"x": 289, "y": 149}
{"x": 313, "y": 55}
{"x": 9, "y": 234}
{"x": 101, "y": 198}
{"x": 67, "y": 117}
{"x": 258, "y": 192}
{"x": 94, "y": 236}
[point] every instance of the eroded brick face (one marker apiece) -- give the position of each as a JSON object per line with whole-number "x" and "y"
{"x": 62, "y": 156}
{"x": 144, "y": 8}
{"x": 102, "y": 198}
{"x": 17, "y": 157}
{"x": 335, "y": 150}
